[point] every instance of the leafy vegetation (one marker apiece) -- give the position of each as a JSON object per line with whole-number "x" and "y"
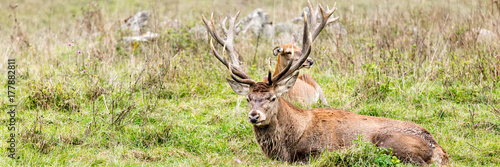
{"x": 361, "y": 154}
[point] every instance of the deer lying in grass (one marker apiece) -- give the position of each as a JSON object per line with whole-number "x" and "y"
{"x": 291, "y": 134}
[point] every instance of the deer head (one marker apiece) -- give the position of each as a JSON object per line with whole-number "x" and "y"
{"x": 262, "y": 96}
{"x": 289, "y": 52}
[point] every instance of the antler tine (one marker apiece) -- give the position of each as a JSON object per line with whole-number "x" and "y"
{"x": 232, "y": 20}
{"x": 228, "y": 44}
{"x": 230, "y": 39}
{"x": 311, "y": 13}
{"x": 289, "y": 69}
{"x": 233, "y": 69}
{"x": 330, "y": 12}
{"x": 222, "y": 60}
{"x": 316, "y": 26}
{"x": 237, "y": 24}
{"x": 211, "y": 28}
{"x": 248, "y": 80}
{"x": 305, "y": 37}
{"x": 282, "y": 73}
{"x": 269, "y": 74}
{"x": 222, "y": 24}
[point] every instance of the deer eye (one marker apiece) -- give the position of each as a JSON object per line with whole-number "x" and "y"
{"x": 273, "y": 99}
{"x": 248, "y": 100}
{"x": 288, "y": 52}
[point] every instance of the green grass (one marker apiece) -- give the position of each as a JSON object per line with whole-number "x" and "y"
{"x": 167, "y": 102}
{"x": 361, "y": 154}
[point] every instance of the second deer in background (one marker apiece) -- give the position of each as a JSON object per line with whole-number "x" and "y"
{"x": 306, "y": 90}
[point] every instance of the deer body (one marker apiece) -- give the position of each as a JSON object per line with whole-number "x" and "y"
{"x": 291, "y": 134}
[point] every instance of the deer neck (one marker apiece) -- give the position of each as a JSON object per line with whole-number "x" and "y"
{"x": 286, "y": 115}
{"x": 279, "y": 67}
{"x": 284, "y": 130}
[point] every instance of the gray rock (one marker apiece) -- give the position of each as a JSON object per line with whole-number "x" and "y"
{"x": 148, "y": 36}
{"x": 174, "y": 24}
{"x": 257, "y": 22}
{"x": 486, "y": 36}
{"x": 136, "y": 22}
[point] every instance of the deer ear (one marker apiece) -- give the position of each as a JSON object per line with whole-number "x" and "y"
{"x": 286, "y": 84}
{"x": 238, "y": 88}
{"x": 277, "y": 50}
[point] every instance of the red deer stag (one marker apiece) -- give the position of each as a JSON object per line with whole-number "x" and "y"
{"x": 291, "y": 134}
{"x": 306, "y": 90}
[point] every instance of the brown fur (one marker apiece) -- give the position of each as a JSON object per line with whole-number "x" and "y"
{"x": 261, "y": 88}
{"x": 293, "y": 134}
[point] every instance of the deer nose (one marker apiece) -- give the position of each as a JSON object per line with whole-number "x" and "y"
{"x": 254, "y": 117}
{"x": 311, "y": 62}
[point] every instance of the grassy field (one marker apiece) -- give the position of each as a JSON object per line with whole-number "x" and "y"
{"x": 167, "y": 103}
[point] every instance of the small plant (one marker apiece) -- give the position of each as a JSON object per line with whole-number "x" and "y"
{"x": 48, "y": 95}
{"x": 360, "y": 154}
{"x": 376, "y": 86}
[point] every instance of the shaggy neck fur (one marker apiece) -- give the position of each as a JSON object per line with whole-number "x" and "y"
{"x": 279, "y": 137}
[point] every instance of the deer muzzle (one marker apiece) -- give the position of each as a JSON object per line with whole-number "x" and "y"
{"x": 254, "y": 116}
{"x": 308, "y": 63}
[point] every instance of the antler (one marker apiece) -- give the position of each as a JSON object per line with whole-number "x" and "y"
{"x": 228, "y": 44}
{"x": 318, "y": 25}
{"x": 307, "y": 41}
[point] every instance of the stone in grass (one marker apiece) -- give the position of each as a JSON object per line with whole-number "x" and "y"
{"x": 486, "y": 36}
{"x": 136, "y": 24}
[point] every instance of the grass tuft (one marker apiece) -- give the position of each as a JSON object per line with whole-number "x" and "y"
{"x": 360, "y": 154}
